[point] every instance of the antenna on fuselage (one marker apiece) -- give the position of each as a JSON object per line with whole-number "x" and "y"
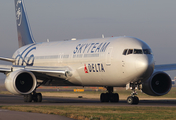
{"x": 102, "y": 36}
{"x": 73, "y": 39}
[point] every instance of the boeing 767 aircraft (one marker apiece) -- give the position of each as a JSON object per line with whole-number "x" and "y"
{"x": 103, "y": 62}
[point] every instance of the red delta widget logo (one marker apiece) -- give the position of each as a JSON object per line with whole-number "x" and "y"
{"x": 98, "y": 67}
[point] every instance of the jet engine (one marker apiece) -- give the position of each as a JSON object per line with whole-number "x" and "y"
{"x": 20, "y": 82}
{"x": 158, "y": 84}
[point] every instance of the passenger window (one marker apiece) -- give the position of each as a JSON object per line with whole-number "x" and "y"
{"x": 125, "y": 51}
{"x": 138, "y": 51}
{"x": 130, "y": 51}
{"x": 147, "y": 51}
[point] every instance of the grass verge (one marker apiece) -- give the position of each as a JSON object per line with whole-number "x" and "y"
{"x": 102, "y": 113}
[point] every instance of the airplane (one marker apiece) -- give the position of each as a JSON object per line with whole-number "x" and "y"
{"x": 122, "y": 61}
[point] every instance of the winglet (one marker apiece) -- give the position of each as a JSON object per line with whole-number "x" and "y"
{"x": 25, "y": 36}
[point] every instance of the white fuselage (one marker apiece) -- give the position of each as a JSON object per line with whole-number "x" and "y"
{"x": 92, "y": 62}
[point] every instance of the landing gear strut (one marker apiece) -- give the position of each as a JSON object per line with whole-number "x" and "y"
{"x": 109, "y": 96}
{"x": 133, "y": 99}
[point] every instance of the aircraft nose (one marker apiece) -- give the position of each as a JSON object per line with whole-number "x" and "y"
{"x": 145, "y": 65}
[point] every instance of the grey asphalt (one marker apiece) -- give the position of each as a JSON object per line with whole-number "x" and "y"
{"x": 59, "y": 101}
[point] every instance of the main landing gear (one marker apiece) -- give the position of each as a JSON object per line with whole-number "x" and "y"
{"x": 133, "y": 99}
{"x": 36, "y": 97}
{"x": 109, "y": 96}
{"x": 114, "y": 97}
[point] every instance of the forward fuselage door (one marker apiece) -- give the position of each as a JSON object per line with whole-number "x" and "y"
{"x": 109, "y": 56}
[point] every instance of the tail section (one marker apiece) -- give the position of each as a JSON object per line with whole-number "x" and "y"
{"x": 23, "y": 28}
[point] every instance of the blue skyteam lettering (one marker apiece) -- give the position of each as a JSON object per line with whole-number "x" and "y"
{"x": 77, "y": 47}
{"x": 86, "y": 47}
{"x": 91, "y": 48}
{"x": 96, "y": 67}
{"x": 103, "y": 48}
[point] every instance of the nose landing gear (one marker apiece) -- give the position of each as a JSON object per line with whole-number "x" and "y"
{"x": 133, "y": 99}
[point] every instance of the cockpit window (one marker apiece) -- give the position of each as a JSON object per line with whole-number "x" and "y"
{"x": 147, "y": 51}
{"x": 130, "y": 51}
{"x": 138, "y": 51}
{"x": 125, "y": 51}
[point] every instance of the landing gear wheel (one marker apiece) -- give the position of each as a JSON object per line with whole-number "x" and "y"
{"x": 36, "y": 97}
{"x": 104, "y": 97}
{"x": 28, "y": 98}
{"x": 25, "y": 98}
{"x": 136, "y": 100}
{"x": 132, "y": 100}
{"x": 39, "y": 97}
{"x": 107, "y": 97}
{"x": 114, "y": 97}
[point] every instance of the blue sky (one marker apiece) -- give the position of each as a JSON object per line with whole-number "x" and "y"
{"x": 153, "y": 21}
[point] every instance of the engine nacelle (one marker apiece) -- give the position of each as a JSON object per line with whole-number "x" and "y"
{"x": 21, "y": 82}
{"x": 158, "y": 84}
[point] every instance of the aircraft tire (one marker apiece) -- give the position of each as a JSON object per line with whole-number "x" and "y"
{"x": 34, "y": 97}
{"x": 39, "y": 97}
{"x": 132, "y": 100}
{"x": 28, "y": 98}
{"x": 25, "y": 98}
{"x": 107, "y": 97}
{"x": 114, "y": 97}
{"x": 104, "y": 97}
{"x": 136, "y": 100}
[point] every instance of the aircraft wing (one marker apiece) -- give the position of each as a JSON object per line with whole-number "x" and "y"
{"x": 38, "y": 71}
{"x": 58, "y": 72}
{"x": 5, "y": 68}
{"x": 7, "y": 59}
{"x": 165, "y": 67}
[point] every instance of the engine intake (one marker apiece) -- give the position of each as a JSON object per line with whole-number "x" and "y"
{"x": 21, "y": 82}
{"x": 158, "y": 84}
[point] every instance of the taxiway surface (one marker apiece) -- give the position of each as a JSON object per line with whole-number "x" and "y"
{"x": 15, "y": 115}
{"x": 11, "y": 100}
{"x": 18, "y": 100}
